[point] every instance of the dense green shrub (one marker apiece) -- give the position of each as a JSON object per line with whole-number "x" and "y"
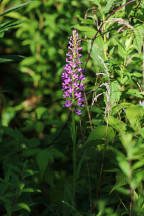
{"x": 53, "y": 162}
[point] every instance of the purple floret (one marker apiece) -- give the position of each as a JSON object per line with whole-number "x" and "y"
{"x": 73, "y": 76}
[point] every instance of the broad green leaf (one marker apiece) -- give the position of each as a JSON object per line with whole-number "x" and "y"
{"x": 121, "y": 180}
{"x": 115, "y": 93}
{"x": 40, "y": 111}
{"x": 129, "y": 144}
{"x": 134, "y": 114}
{"x": 43, "y": 157}
{"x": 135, "y": 93}
{"x": 123, "y": 163}
{"x": 138, "y": 164}
{"x": 121, "y": 47}
{"x": 46, "y": 156}
{"x": 7, "y": 115}
{"x": 121, "y": 106}
{"x": 28, "y": 61}
{"x": 88, "y": 31}
{"x": 138, "y": 177}
{"x": 108, "y": 5}
{"x": 98, "y": 54}
{"x": 1, "y": 34}
{"x": 137, "y": 74}
{"x": 99, "y": 133}
{"x": 139, "y": 37}
{"x": 117, "y": 124}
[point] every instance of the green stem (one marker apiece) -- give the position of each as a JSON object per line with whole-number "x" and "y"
{"x": 74, "y": 155}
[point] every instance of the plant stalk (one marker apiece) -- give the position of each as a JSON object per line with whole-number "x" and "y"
{"x": 74, "y": 155}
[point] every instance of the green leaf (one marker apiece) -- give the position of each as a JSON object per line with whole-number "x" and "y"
{"x": 23, "y": 206}
{"x": 88, "y": 31}
{"x": 11, "y": 58}
{"x": 30, "y": 190}
{"x": 99, "y": 133}
{"x": 121, "y": 47}
{"x": 117, "y": 124}
{"x": 40, "y": 111}
{"x": 108, "y": 5}
{"x": 139, "y": 36}
{"x": 9, "y": 25}
{"x": 129, "y": 144}
{"x": 121, "y": 106}
{"x": 15, "y": 8}
{"x": 121, "y": 180}
{"x": 1, "y": 34}
{"x": 123, "y": 163}
{"x": 30, "y": 152}
{"x": 97, "y": 53}
{"x": 47, "y": 156}
{"x": 115, "y": 93}
{"x": 7, "y": 115}
{"x": 134, "y": 114}
{"x": 43, "y": 157}
{"x": 137, "y": 74}
{"x": 135, "y": 93}
{"x": 39, "y": 126}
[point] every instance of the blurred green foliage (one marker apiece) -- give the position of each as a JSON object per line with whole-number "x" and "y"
{"x": 35, "y": 138}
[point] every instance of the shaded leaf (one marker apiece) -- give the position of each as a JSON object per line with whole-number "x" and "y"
{"x": 99, "y": 133}
{"x": 23, "y": 206}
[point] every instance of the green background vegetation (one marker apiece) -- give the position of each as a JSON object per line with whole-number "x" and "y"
{"x": 36, "y": 163}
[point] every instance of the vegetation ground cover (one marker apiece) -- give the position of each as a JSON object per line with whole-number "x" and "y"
{"x": 54, "y": 161}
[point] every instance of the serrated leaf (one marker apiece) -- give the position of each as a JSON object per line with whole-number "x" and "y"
{"x": 128, "y": 143}
{"x": 139, "y": 36}
{"x": 121, "y": 180}
{"x": 108, "y": 5}
{"x": 115, "y": 93}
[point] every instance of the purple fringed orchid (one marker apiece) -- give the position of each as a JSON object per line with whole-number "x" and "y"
{"x": 73, "y": 76}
